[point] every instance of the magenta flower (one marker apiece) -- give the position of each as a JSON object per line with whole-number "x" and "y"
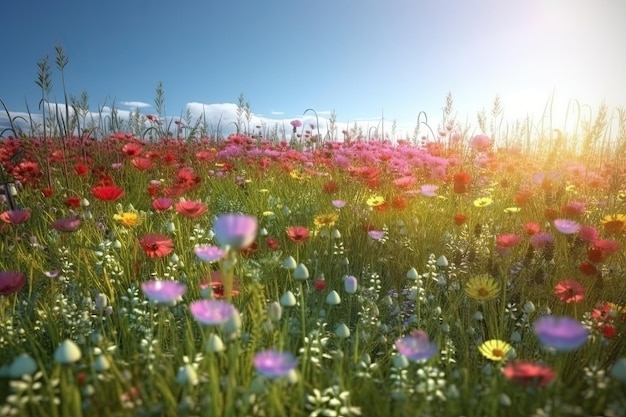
{"x": 295, "y": 123}
{"x": 274, "y": 364}
{"x": 15, "y": 216}
{"x": 163, "y": 291}
{"x": 209, "y": 253}
{"x": 338, "y": 203}
{"x": 237, "y": 231}
{"x": 376, "y": 234}
{"x": 561, "y": 333}
{"x": 541, "y": 240}
{"x": 588, "y": 233}
{"x": 212, "y": 312}
{"x": 11, "y": 282}
{"x": 66, "y": 225}
{"x": 416, "y": 346}
{"x": 567, "y": 227}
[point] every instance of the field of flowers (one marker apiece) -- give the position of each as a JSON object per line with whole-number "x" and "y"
{"x": 460, "y": 275}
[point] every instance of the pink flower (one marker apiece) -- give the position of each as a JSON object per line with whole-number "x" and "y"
{"x": 508, "y": 241}
{"x": 541, "y": 240}
{"x": 274, "y": 364}
{"x": 161, "y": 203}
{"x": 66, "y": 225}
{"x": 209, "y": 253}
{"x": 569, "y": 291}
{"x": 191, "y": 208}
{"x": 15, "y": 216}
{"x": 588, "y": 233}
{"x": 567, "y": 227}
{"x": 480, "y": 142}
{"x": 237, "y": 231}
{"x": 163, "y": 291}
{"x": 212, "y": 312}
{"x": 428, "y": 190}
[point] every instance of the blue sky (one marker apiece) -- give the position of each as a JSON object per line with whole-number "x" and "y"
{"x": 360, "y": 58}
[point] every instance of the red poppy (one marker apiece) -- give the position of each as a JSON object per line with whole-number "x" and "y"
{"x": 319, "y": 284}
{"x": 607, "y": 246}
{"x": 608, "y": 330}
{"x": 532, "y": 228}
{"x": 399, "y": 203}
{"x": 81, "y": 169}
{"x": 508, "y": 240}
{"x": 273, "y": 243}
{"x": 156, "y": 245}
{"x": 132, "y": 149}
{"x": 522, "y": 197}
{"x": 11, "y": 282}
{"x": 72, "y": 202}
{"x": 187, "y": 178}
{"x": 15, "y": 216}
{"x": 107, "y": 192}
{"x": 569, "y": 291}
{"x": 551, "y": 214}
{"x": 595, "y": 255}
{"x": 588, "y": 268}
{"x": 298, "y": 234}
{"x": 142, "y": 164}
{"x": 461, "y": 180}
{"x": 47, "y": 192}
{"x": 459, "y": 219}
{"x": 330, "y": 187}
{"x": 191, "y": 208}
{"x": 528, "y": 373}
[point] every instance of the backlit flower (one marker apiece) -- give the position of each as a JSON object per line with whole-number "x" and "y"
{"x": 614, "y": 223}
{"x": 566, "y": 226}
{"x": 429, "y": 190}
{"x": 494, "y": 349}
{"x": 11, "y": 282}
{"x": 480, "y": 142}
{"x": 325, "y": 220}
{"x": 375, "y": 201}
{"x": 107, "y": 192}
{"x": 483, "y": 202}
{"x": 191, "y": 208}
{"x": 482, "y": 288}
{"x": 212, "y": 312}
{"x": 416, "y": 346}
{"x": 236, "y": 231}
{"x": 569, "y": 291}
{"x": 528, "y": 373}
{"x": 161, "y": 203}
{"x": 508, "y": 240}
{"x": 17, "y": 216}
{"x": 274, "y": 364}
{"x": 541, "y": 240}
{"x": 156, "y": 245}
{"x": 297, "y": 234}
{"x": 459, "y": 219}
{"x": 163, "y": 291}
{"x": 209, "y": 253}
{"x": 561, "y": 333}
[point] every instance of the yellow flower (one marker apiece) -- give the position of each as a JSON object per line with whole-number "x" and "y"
{"x": 127, "y": 218}
{"x": 511, "y": 210}
{"x": 482, "y": 287}
{"x": 298, "y": 175}
{"x": 325, "y": 220}
{"x": 269, "y": 214}
{"x": 494, "y": 349}
{"x": 375, "y": 201}
{"x": 483, "y": 202}
{"x": 614, "y": 223}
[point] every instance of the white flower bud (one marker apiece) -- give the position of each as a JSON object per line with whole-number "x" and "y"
{"x": 412, "y": 274}
{"x": 67, "y": 353}
{"x": 290, "y": 263}
{"x": 187, "y": 375}
{"x": 101, "y": 364}
{"x": 342, "y": 331}
{"x": 22, "y": 365}
{"x": 214, "y": 344}
{"x": 333, "y": 298}
{"x": 301, "y": 273}
{"x": 288, "y": 299}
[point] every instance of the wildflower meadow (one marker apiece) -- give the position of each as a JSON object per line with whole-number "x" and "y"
{"x": 151, "y": 268}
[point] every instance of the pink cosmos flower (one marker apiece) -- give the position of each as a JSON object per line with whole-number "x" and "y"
{"x": 274, "y": 364}
{"x": 428, "y": 190}
{"x": 212, "y": 312}
{"x": 567, "y": 227}
{"x": 209, "y": 253}
{"x": 480, "y": 142}
{"x": 237, "y": 231}
{"x": 163, "y": 291}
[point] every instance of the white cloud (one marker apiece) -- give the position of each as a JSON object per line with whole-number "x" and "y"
{"x": 277, "y": 113}
{"x": 139, "y": 104}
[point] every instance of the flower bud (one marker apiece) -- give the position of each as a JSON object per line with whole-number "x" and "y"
{"x": 301, "y": 273}
{"x": 342, "y": 331}
{"x": 350, "y": 284}
{"x": 333, "y": 298}
{"x": 288, "y": 299}
{"x": 67, "y": 353}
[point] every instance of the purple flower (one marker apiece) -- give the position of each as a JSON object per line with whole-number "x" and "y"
{"x": 376, "y": 234}
{"x": 66, "y": 225}
{"x": 295, "y": 123}
{"x": 163, "y": 291}
{"x": 237, "y": 231}
{"x": 338, "y": 203}
{"x": 561, "y": 333}
{"x": 567, "y": 227}
{"x": 428, "y": 190}
{"x": 541, "y": 240}
{"x": 209, "y": 253}
{"x": 212, "y": 312}
{"x": 416, "y": 346}
{"x": 274, "y": 364}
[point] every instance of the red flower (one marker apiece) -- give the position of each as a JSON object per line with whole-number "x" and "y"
{"x": 532, "y": 228}
{"x": 156, "y": 245}
{"x": 107, "y": 192}
{"x": 569, "y": 291}
{"x": 298, "y": 234}
{"x": 81, "y": 169}
{"x": 399, "y": 203}
{"x": 142, "y": 164}
{"x": 319, "y": 284}
{"x": 191, "y": 208}
{"x": 508, "y": 241}
{"x": 461, "y": 180}
{"x": 459, "y": 219}
{"x": 330, "y": 187}
{"x": 607, "y": 246}
{"x": 11, "y": 282}
{"x": 72, "y": 202}
{"x": 132, "y": 149}
{"x": 15, "y": 216}
{"x": 47, "y": 192}
{"x": 217, "y": 285}
{"x": 273, "y": 243}
{"x": 528, "y": 373}
{"x": 608, "y": 330}
{"x": 588, "y": 268}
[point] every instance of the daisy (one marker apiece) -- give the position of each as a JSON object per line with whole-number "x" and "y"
{"x": 494, "y": 349}
{"x": 483, "y": 202}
